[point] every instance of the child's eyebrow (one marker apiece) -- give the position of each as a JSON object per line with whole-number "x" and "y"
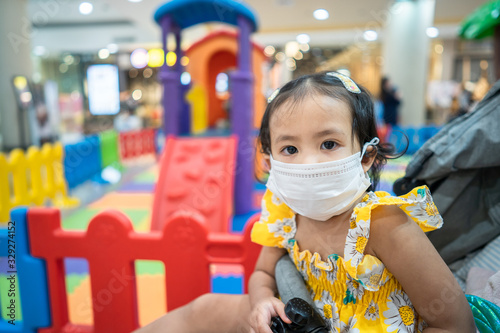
{"x": 285, "y": 138}
{"x": 320, "y": 134}
{"x": 328, "y": 132}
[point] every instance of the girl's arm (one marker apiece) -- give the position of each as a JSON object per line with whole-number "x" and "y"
{"x": 408, "y": 254}
{"x": 262, "y": 290}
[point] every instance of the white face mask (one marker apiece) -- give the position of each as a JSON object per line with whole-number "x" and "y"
{"x": 320, "y": 190}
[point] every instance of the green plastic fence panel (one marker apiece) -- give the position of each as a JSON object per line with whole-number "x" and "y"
{"x": 109, "y": 149}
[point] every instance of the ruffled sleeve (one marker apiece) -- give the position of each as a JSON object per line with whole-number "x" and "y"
{"x": 277, "y": 223}
{"x": 421, "y": 208}
{"x": 369, "y": 270}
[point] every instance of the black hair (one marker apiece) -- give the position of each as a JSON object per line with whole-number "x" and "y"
{"x": 362, "y": 112}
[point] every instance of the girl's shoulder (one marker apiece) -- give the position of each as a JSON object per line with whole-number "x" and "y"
{"x": 276, "y": 224}
{"x": 417, "y": 205}
{"x": 376, "y": 221}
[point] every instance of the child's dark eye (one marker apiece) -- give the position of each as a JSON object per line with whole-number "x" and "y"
{"x": 290, "y": 150}
{"x": 328, "y": 145}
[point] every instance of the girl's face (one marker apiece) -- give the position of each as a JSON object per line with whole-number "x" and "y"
{"x": 318, "y": 129}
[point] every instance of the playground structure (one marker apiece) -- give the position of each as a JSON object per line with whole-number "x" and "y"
{"x": 177, "y": 15}
{"x": 215, "y": 54}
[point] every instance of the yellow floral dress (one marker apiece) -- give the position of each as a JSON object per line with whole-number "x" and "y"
{"x": 354, "y": 293}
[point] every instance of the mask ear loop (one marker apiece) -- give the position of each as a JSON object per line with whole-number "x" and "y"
{"x": 375, "y": 141}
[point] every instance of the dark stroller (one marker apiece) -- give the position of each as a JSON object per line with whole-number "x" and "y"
{"x": 461, "y": 166}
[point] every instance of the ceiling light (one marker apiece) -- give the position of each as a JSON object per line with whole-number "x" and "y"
{"x": 133, "y": 73}
{"x": 171, "y": 58}
{"x": 185, "y": 78}
{"x": 137, "y": 94}
{"x": 291, "y": 48}
{"x": 298, "y": 56}
{"x": 184, "y": 61}
{"x": 63, "y": 68}
{"x": 304, "y": 47}
{"x": 370, "y": 35}
{"x": 25, "y": 97}
{"x": 303, "y": 38}
{"x": 280, "y": 56}
{"x": 156, "y": 57}
{"x": 86, "y": 8}
{"x": 148, "y": 72}
{"x": 103, "y": 53}
{"x": 432, "y": 32}
{"x": 134, "y": 0}
{"x": 321, "y": 14}
{"x": 20, "y": 82}
{"x": 269, "y": 50}
{"x": 69, "y": 59}
{"x": 139, "y": 58}
{"x": 113, "y": 48}
{"x": 39, "y": 51}
{"x": 291, "y": 63}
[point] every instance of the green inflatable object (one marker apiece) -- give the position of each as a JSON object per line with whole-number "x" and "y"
{"x": 109, "y": 149}
{"x": 481, "y": 22}
{"x": 486, "y": 314}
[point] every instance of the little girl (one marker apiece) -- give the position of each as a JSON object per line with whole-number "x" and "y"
{"x": 363, "y": 255}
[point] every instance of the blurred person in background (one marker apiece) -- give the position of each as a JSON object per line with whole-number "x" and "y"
{"x": 46, "y": 132}
{"x": 391, "y": 101}
{"x": 126, "y": 120}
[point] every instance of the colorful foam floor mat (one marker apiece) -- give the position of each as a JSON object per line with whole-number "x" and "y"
{"x": 135, "y": 199}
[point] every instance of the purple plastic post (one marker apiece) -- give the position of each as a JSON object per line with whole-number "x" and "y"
{"x": 242, "y": 121}
{"x": 171, "y": 86}
{"x": 185, "y": 108}
{"x": 178, "y": 50}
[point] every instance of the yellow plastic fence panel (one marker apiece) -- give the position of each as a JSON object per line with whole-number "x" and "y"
{"x": 48, "y": 184}
{"x": 55, "y": 188}
{"x": 32, "y": 179}
{"x": 18, "y": 168}
{"x": 5, "y": 200}
{"x": 36, "y": 172}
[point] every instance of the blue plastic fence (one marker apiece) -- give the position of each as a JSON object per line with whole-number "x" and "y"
{"x": 30, "y": 279}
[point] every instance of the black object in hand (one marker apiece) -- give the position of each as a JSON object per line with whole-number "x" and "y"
{"x": 304, "y": 319}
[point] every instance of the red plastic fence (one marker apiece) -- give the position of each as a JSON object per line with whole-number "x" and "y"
{"x": 137, "y": 143}
{"x": 185, "y": 246}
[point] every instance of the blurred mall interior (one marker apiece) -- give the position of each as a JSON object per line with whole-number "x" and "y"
{"x": 50, "y": 45}
{"x": 121, "y": 119}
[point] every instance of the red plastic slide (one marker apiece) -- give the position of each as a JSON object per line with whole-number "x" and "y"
{"x": 196, "y": 175}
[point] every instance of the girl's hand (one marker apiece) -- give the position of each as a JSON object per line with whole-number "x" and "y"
{"x": 263, "y": 311}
